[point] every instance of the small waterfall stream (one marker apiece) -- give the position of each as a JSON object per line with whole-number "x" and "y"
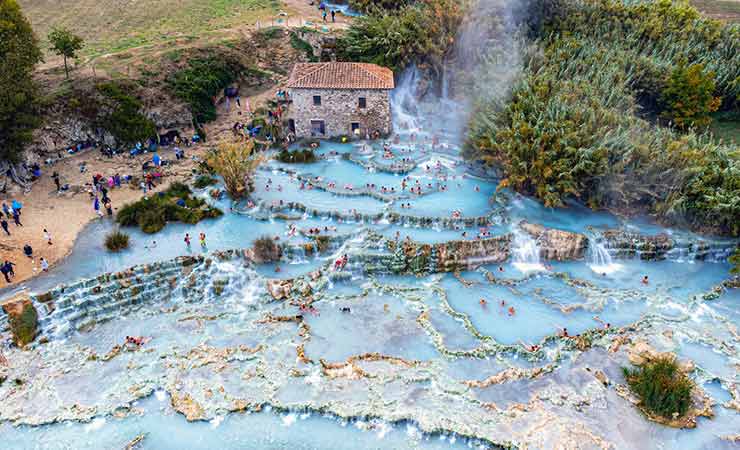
{"x": 599, "y": 258}
{"x": 525, "y": 252}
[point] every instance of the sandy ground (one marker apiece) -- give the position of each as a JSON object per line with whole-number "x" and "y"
{"x": 65, "y": 214}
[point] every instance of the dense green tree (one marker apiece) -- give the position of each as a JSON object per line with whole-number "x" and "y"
{"x": 65, "y": 44}
{"x": 419, "y": 33}
{"x": 19, "y": 54}
{"x": 121, "y": 115}
{"x": 688, "y": 97}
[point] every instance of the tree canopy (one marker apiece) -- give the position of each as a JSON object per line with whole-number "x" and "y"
{"x": 66, "y": 44}
{"x": 19, "y": 53}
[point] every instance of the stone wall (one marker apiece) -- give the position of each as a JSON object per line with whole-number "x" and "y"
{"x": 339, "y": 109}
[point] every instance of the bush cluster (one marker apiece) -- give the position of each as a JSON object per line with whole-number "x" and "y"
{"x": 116, "y": 241}
{"x": 661, "y": 386}
{"x": 203, "y": 181}
{"x": 23, "y": 326}
{"x": 120, "y": 114}
{"x": 574, "y": 126}
{"x": 297, "y": 156}
{"x": 200, "y": 81}
{"x": 266, "y": 250}
{"x": 420, "y": 33}
{"x": 152, "y": 213}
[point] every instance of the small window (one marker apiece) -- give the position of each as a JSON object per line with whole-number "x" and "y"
{"x": 362, "y": 103}
{"x": 318, "y": 128}
{"x": 316, "y": 100}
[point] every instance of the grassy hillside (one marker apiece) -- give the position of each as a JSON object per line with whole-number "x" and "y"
{"x": 110, "y": 26}
{"x": 727, "y": 10}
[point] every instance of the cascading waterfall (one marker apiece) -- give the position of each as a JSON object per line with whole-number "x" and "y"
{"x": 525, "y": 252}
{"x": 599, "y": 258}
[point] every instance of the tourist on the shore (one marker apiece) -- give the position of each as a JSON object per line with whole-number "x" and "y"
{"x": 44, "y": 265}
{"x": 9, "y": 265}
{"x": 17, "y": 206}
{"x": 5, "y": 270}
{"x": 28, "y": 250}
{"x": 17, "y": 218}
{"x": 109, "y": 208}
{"x": 47, "y": 236}
{"x": 55, "y": 177}
{"x": 4, "y": 224}
{"x": 96, "y": 207}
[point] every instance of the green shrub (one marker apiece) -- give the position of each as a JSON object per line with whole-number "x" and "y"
{"x": 297, "y": 156}
{"x": 661, "y": 386}
{"x": 299, "y": 44}
{"x": 200, "y": 81}
{"x": 266, "y": 250}
{"x": 203, "y": 181}
{"x": 734, "y": 260}
{"x": 367, "y": 6}
{"x": 120, "y": 114}
{"x": 419, "y": 33}
{"x": 152, "y": 213}
{"x": 23, "y": 326}
{"x": 116, "y": 241}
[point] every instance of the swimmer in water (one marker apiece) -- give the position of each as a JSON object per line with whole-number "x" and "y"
{"x": 482, "y": 302}
{"x": 645, "y": 279}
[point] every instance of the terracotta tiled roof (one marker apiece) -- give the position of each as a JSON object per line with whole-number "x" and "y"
{"x": 340, "y": 75}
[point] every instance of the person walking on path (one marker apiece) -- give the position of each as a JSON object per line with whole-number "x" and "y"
{"x": 5, "y": 271}
{"x": 47, "y": 236}
{"x": 6, "y": 210}
{"x": 55, "y": 177}
{"x": 9, "y": 266}
{"x": 323, "y": 15}
{"x": 17, "y": 206}
{"x": 44, "y": 265}
{"x": 28, "y": 250}
{"x": 96, "y": 207}
{"x": 109, "y": 208}
{"x": 4, "y": 224}
{"x": 333, "y": 16}
{"x": 17, "y": 218}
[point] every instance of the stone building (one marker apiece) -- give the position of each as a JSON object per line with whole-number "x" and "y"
{"x": 339, "y": 98}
